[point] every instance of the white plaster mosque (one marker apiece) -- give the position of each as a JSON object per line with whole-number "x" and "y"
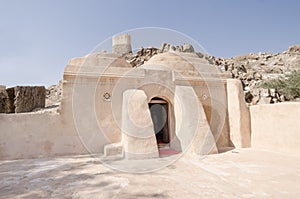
{"x": 175, "y": 103}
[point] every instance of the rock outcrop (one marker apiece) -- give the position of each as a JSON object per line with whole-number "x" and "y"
{"x": 294, "y": 49}
{"x": 144, "y": 54}
{"x": 54, "y": 95}
{"x": 256, "y": 68}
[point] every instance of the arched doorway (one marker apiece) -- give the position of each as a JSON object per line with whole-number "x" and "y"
{"x": 159, "y": 109}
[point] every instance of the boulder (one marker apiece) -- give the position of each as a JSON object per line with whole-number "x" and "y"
{"x": 166, "y": 47}
{"x": 264, "y": 100}
{"x": 187, "y": 48}
{"x": 294, "y": 49}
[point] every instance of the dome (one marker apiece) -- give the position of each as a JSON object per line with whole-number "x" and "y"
{"x": 100, "y": 59}
{"x": 184, "y": 63}
{"x": 171, "y": 60}
{"x": 96, "y": 64}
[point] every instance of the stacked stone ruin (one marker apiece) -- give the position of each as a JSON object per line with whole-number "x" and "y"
{"x": 21, "y": 99}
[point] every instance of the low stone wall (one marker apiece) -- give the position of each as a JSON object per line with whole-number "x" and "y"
{"x": 276, "y": 127}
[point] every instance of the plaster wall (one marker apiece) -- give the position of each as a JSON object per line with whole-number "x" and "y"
{"x": 138, "y": 136}
{"x": 33, "y": 135}
{"x": 192, "y": 128}
{"x": 239, "y": 115}
{"x": 276, "y": 127}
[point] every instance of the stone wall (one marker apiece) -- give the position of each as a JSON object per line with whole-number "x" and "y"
{"x": 28, "y": 98}
{"x": 3, "y": 99}
{"x": 10, "y": 100}
{"x": 276, "y": 127}
{"x": 21, "y": 99}
{"x": 121, "y": 44}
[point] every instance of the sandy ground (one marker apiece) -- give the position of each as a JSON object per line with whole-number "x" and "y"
{"x": 243, "y": 173}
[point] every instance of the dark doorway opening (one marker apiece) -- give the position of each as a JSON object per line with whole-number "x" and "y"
{"x": 160, "y": 110}
{"x": 159, "y": 114}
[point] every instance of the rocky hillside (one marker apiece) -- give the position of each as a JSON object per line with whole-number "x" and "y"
{"x": 144, "y": 54}
{"x": 253, "y": 70}
{"x": 54, "y": 95}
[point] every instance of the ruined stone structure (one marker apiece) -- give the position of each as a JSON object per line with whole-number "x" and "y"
{"x": 121, "y": 44}
{"x": 21, "y": 99}
{"x": 3, "y": 99}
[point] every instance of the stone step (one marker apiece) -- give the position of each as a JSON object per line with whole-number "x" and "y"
{"x": 114, "y": 149}
{"x": 163, "y": 145}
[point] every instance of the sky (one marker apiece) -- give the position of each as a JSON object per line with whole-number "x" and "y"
{"x": 39, "y": 37}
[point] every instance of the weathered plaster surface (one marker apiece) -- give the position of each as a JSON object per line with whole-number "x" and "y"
{"x": 276, "y": 127}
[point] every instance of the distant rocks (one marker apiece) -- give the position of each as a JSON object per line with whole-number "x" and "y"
{"x": 54, "y": 95}
{"x": 166, "y": 47}
{"x": 294, "y": 49}
{"x": 144, "y": 54}
{"x": 187, "y": 48}
{"x": 255, "y": 68}
{"x": 141, "y": 56}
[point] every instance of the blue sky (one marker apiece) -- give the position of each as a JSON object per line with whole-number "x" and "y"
{"x": 38, "y": 37}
